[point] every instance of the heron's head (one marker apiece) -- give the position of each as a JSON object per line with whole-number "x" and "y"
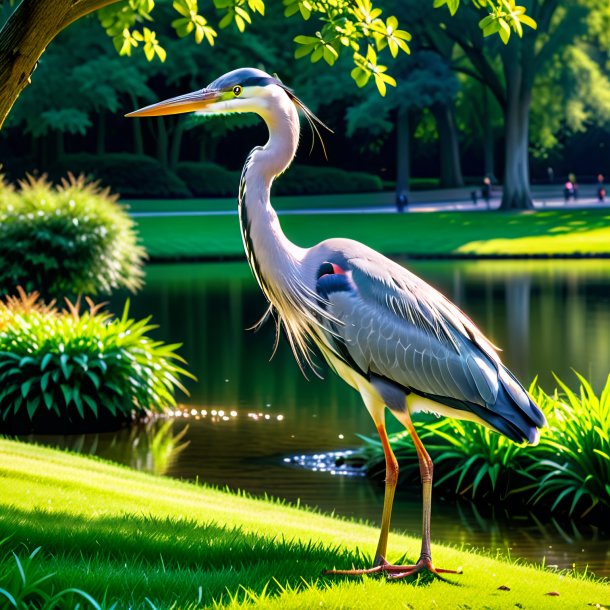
{"x": 241, "y": 90}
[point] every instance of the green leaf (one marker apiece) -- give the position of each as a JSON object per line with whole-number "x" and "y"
{"x": 92, "y": 404}
{"x": 67, "y": 392}
{"x": 32, "y": 406}
{"x": 25, "y": 387}
{"x": 79, "y": 403}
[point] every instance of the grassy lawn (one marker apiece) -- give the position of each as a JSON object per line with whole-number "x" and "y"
{"x": 126, "y": 536}
{"x": 285, "y": 202}
{"x": 551, "y": 232}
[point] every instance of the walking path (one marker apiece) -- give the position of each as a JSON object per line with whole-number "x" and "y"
{"x": 544, "y": 197}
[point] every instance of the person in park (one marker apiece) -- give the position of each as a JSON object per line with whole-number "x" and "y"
{"x": 486, "y": 190}
{"x": 601, "y": 188}
{"x": 401, "y": 202}
{"x": 570, "y": 189}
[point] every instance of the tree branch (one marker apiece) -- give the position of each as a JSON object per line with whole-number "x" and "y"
{"x": 80, "y": 8}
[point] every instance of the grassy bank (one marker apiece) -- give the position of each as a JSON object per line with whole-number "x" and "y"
{"x": 552, "y": 232}
{"x": 126, "y": 536}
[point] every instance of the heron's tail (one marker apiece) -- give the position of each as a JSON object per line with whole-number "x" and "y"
{"x": 514, "y": 413}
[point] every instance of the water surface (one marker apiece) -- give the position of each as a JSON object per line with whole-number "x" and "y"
{"x": 547, "y": 316}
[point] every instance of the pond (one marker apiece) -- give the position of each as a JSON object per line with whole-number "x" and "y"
{"x": 247, "y": 417}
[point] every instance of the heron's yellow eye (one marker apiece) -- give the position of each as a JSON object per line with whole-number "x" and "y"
{"x": 237, "y": 90}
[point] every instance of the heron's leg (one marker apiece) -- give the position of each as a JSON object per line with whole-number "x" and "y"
{"x": 391, "y": 479}
{"x": 377, "y": 410}
{"x": 426, "y": 470}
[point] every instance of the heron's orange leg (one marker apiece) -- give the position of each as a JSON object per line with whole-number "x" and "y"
{"x": 391, "y": 479}
{"x": 426, "y": 470}
{"x": 424, "y": 563}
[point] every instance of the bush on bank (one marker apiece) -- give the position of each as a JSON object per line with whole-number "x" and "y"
{"x": 567, "y": 472}
{"x": 66, "y": 240}
{"x": 65, "y": 371}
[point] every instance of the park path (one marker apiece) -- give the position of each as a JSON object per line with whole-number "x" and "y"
{"x": 438, "y": 200}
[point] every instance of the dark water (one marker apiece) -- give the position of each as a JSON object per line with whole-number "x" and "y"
{"x": 246, "y": 414}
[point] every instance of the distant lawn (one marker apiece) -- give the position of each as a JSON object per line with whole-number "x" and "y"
{"x": 285, "y": 202}
{"x": 127, "y": 536}
{"x": 549, "y": 232}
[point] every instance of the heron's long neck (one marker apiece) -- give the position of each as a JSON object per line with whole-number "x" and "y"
{"x": 270, "y": 253}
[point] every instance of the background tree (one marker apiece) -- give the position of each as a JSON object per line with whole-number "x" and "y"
{"x": 357, "y": 27}
{"x": 425, "y": 81}
{"x": 559, "y": 24}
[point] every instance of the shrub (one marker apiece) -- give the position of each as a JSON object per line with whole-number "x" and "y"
{"x": 209, "y": 179}
{"x": 573, "y": 461}
{"x": 66, "y": 240}
{"x": 469, "y": 459}
{"x": 66, "y": 371}
{"x": 569, "y": 468}
{"x": 310, "y": 180}
{"x": 134, "y": 176}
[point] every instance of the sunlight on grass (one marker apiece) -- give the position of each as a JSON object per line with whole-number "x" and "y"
{"x": 130, "y": 536}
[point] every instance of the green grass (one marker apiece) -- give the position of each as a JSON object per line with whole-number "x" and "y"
{"x": 127, "y": 536}
{"x": 552, "y": 232}
{"x": 280, "y": 202}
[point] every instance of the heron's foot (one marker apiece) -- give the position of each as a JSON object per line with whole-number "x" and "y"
{"x": 395, "y": 572}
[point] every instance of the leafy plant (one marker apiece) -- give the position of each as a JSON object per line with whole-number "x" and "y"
{"x": 569, "y": 468}
{"x": 209, "y": 179}
{"x": 66, "y": 240}
{"x": 471, "y": 458}
{"x": 67, "y": 371}
{"x": 573, "y": 458}
{"x": 137, "y": 176}
{"x": 24, "y": 584}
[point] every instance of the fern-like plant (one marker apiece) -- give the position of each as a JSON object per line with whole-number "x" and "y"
{"x": 573, "y": 459}
{"x": 66, "y": 240}
{"x": 67, "y": 371}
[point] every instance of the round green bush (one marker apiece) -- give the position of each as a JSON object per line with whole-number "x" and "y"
{"x": 310, "y": 180}
{"x": 209, "y": 179}
{"x": 134, "y": 176}
{"x": 67, "y": 240}
{"x": 67, "y": 371}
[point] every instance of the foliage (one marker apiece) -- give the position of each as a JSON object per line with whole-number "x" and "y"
{"x": 66, "y": 240}
{"x": 570, "y": 466}
{"x": 209, "y": 179}
{"x": 68, "y": 371}
{"x": 25, "y": 584}
{"x": 130, "y": 536}
{"x": 573, "y": 460}
{"x": 344, "y": 26}
{"x": 309, "y": 180}
{"x": 212, "y": 180}
{"x": 127, "y": 174}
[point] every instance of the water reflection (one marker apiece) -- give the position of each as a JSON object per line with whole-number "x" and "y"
{"x": 547, "y": 316}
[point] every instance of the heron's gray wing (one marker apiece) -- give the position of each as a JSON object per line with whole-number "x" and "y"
{"x": 395, "y": 325}
{"x": 394, "y": 328}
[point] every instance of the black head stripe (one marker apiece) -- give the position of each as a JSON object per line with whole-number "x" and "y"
{"x": 260, "y": 81}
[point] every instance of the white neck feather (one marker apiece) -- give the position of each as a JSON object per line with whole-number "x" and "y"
{"x": 271, "y": 254}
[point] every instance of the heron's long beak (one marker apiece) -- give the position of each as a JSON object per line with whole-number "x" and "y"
{"x": 190, "y": 102}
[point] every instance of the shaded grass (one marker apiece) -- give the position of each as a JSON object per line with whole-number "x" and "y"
{"x": 128, "y": 536}
{"x": 551, "y": 232}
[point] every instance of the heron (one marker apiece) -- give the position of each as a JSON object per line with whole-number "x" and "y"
{"x": 387, "y": 333}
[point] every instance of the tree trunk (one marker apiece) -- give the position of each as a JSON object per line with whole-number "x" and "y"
{"x": 519, "y": 81}
{"x": 207, "y": 146}
{"x": 162, "y": 142}
{"x": 403, "y": 153}
{"x": 488, "y": 139}
{"x": 100, "y": 144}
{"x": 176, "y": 145}
{"x": 451, "y": 168}
{"x": 25, "y": 36}
{"x": 138, "y": 136}
{"x": 60, "y": 148}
